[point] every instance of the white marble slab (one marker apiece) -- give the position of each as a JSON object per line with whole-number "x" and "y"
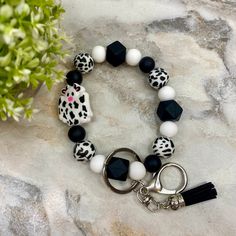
{"x": 44, "y": 191}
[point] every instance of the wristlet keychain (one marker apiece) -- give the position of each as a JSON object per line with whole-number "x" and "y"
{"x": 74, "y": 110}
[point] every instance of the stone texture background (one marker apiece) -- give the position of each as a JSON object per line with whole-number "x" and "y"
{"x": 45, "y": 192}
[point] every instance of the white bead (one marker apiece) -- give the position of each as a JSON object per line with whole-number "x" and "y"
{"x": 99, "y": 54}
{"x": 166, "y": 93}
{"x": 96, "y": 163}
{"x": 133, "y": 57}
{"x": 137, "y": 171}
{"x": 168, "y": 129}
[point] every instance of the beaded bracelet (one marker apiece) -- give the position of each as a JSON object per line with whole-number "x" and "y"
{"x": 74, "y": 110}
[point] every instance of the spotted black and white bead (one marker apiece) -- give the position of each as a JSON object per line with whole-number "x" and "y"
{"x": 84, "y": 150}
{"x": 74, "y": 106}
{"x": 84, "y": 63}
{"x": 158, "y": 78}
{"x": 163, "y": 147}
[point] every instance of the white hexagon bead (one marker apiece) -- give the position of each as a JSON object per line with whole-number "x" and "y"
{"x": 166, "y": 93}
{"x": 96, "y": 163}
{"x": 137, "y": 170}
{"x": 168, "y": 129}
{"x": 99, "y": 54}
{"x": 133, "y": 57}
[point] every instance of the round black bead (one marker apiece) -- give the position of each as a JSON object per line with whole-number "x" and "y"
{"x": 152, "y": 163}
{"x": 76, "y": 133}
{"x": 146, "y": 64}
{"x": 74, "y": 76}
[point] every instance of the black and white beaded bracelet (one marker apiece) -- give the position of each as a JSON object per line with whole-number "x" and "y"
{"x": 74, "y": 110}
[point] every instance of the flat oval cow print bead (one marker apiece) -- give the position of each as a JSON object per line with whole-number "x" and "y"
{"x": 163, "y": 147}
{"x": 84, "y": 63}
{"x": 158, "y": 78}
{"x": 74, "y": 107}
{"x": 84, "y": 150}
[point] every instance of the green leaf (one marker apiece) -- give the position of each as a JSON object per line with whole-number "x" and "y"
{"x": 30, "y": 50}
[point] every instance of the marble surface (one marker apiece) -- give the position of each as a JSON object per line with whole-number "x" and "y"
{"x": 44, "y": 191}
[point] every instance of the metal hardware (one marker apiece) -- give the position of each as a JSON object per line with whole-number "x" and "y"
{"x": 149, "y": 201}
{"x": 174, "y": 202}
{"x": 156, "y": 186}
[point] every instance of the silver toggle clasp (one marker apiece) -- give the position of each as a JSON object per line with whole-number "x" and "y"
{"x": 156, "y": 186}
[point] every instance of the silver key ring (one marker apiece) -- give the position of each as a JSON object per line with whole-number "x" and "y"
{"x": 156, "y": 186}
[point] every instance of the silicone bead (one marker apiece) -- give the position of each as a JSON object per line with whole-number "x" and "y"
{"x": 158, "y": 78}
{"x": 74, "y": 106}
{"x": 117, "y": 169}
{"x": 169, "y": 110}
{"x": 166, "y": 93}
{"x": 133, "y": 57}
{"x": 116, "y": 53}
{"x": 76, "y": 133}
{"x": 74, "y": 76}
{"x": 137, "y": 170}
{"x": 99, "y": 54}
{"x": 163, "y": 147}
{"x": 84, "y": 150}
{"x": 146, "y": 64}
{"x": 84, "y": 63}
{"x": 96, "y": 163}
{"x": 168, "y": 129}
{"x": 152, "y": 163}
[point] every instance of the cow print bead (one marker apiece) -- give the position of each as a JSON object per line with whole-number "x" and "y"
{"x": 158, "y": 78}
{"x": 84, "y": 63}
{"x": 84, "y": 150}
{"x": 163, "y": 147}
{"x": 74, "y": 106}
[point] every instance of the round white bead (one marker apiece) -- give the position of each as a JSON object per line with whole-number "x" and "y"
{"x": 99, "y": 54}
{"x": 166, "y": 93}
{"x": 133, "y": 57}
{"x": 137, "y": 170}
{"x": 168, "y": 129}
{"x": 96, "y": 163}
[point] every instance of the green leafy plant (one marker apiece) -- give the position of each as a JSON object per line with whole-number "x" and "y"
{"x": 30, "y": 48}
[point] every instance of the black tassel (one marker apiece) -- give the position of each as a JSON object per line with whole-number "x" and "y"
{"x": 199, "y": 194}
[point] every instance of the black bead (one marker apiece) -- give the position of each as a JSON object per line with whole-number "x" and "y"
{"x": 74, "y": 76}
{"x": 152, "y": 163}
{"x": 76, "y": 133}
{"x": 116, "y": 53}
{"x": 117, "y": 168}
{"x": 146, "y": 64}
{"x": 169, "y": 110}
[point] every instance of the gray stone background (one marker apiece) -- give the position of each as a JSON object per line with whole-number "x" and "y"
{"x": 44, "y": 191}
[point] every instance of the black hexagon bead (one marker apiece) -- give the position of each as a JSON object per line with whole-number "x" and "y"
{"x": 116, "y": 53}
{"x": 169, "y": 110}
{"x": 117, "y": 168}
